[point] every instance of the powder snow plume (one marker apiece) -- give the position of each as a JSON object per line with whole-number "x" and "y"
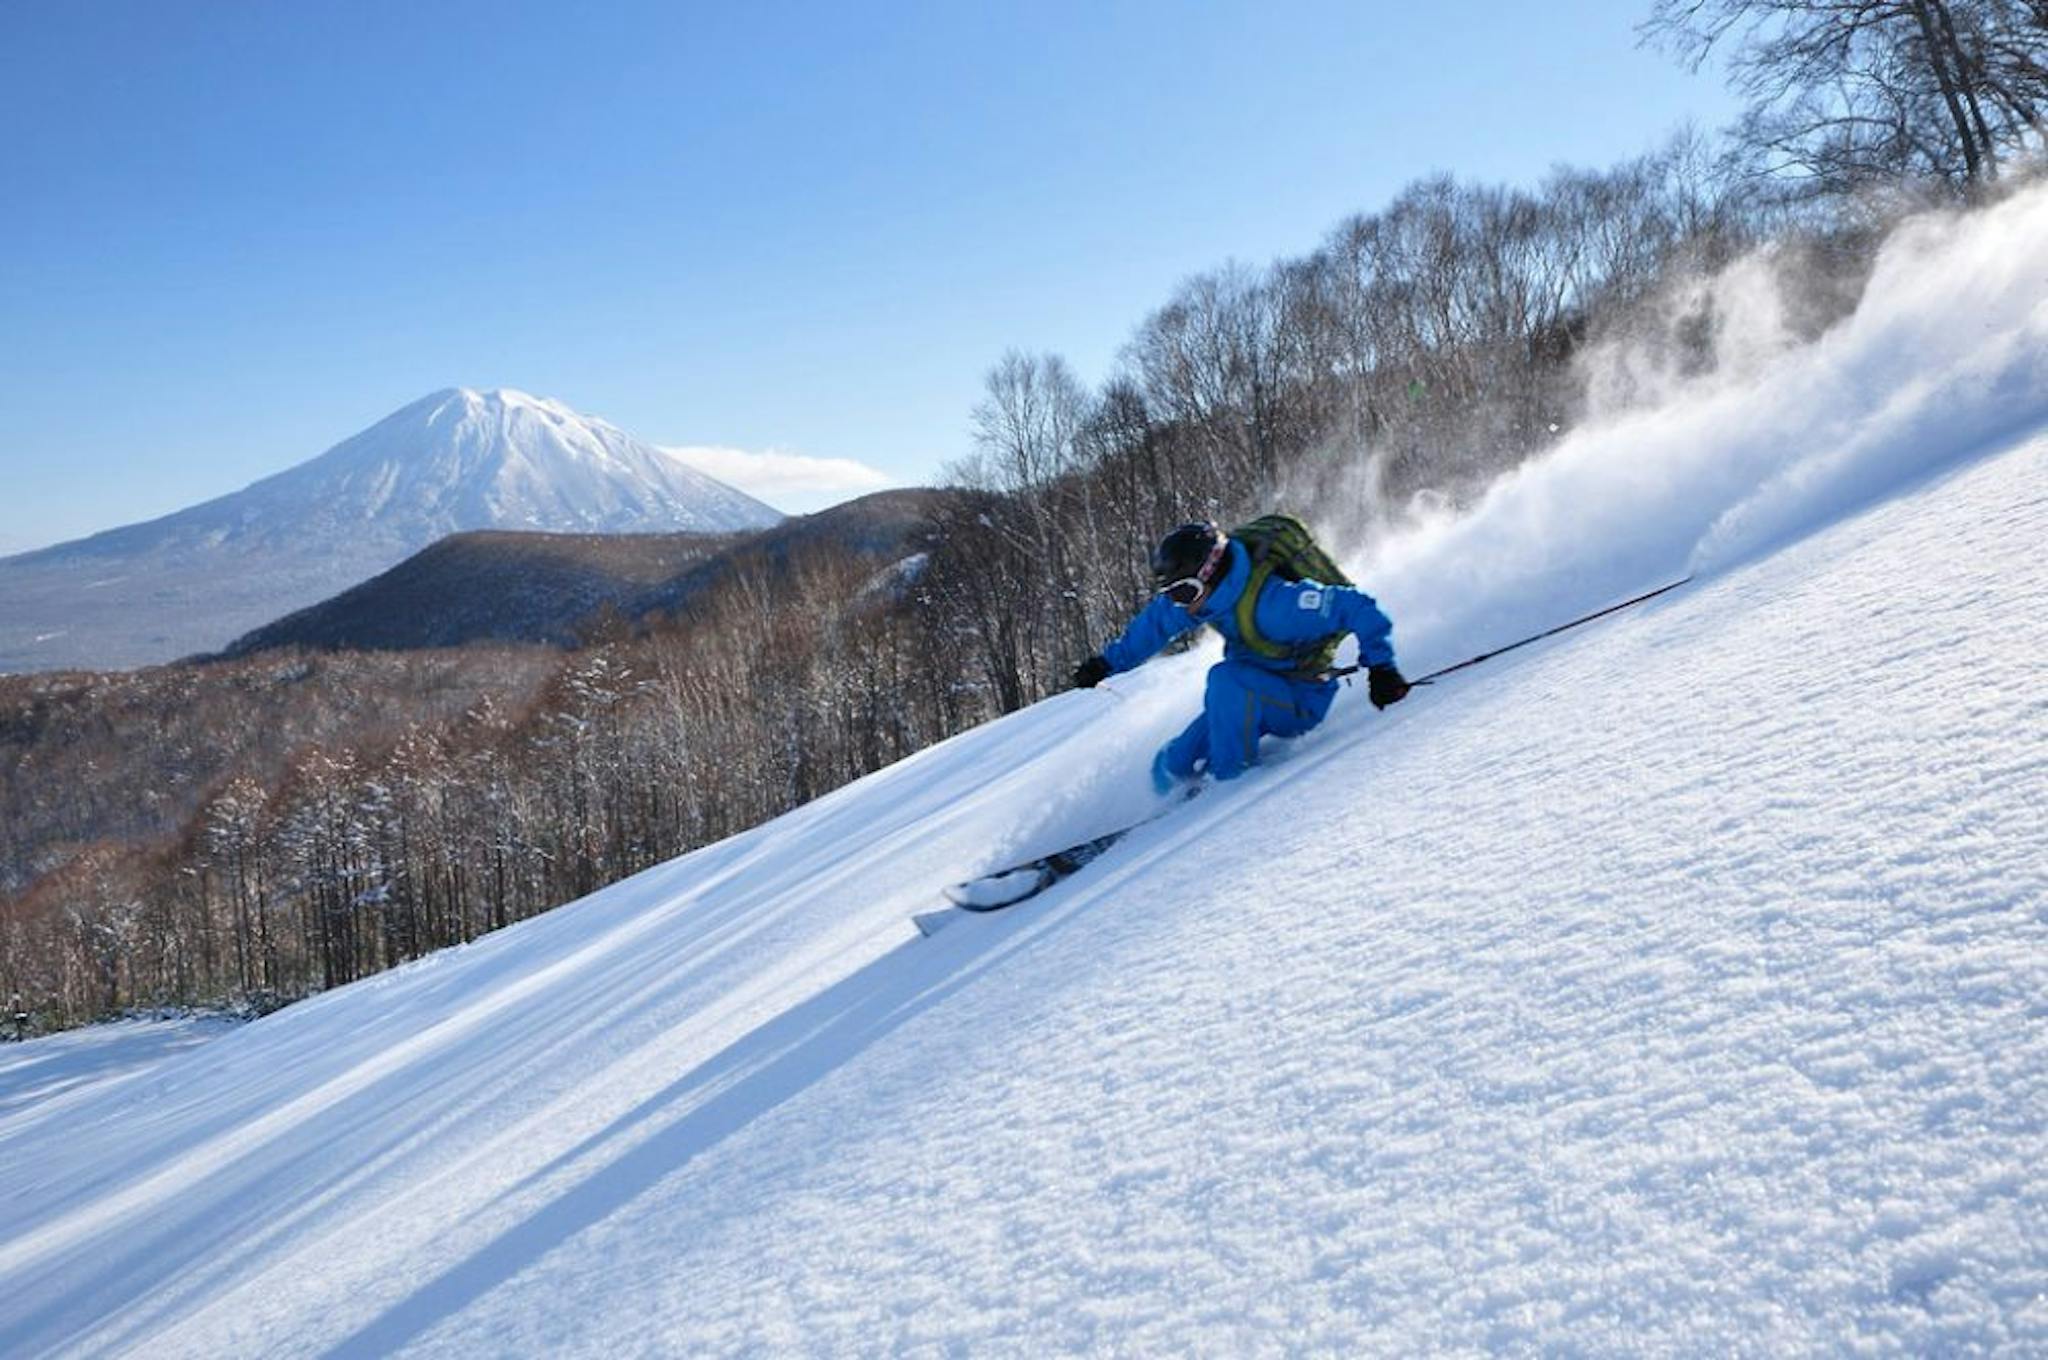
{"x": 1945, "y": 358}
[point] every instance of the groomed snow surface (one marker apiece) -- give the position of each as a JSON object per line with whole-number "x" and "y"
{"x": 1678, "y": 986}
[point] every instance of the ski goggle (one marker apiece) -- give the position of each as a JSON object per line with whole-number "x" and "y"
{"x": 1188, "y": 591}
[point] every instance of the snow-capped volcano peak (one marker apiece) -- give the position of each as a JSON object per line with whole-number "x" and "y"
{"x": 503, "y": 459}
{"x": 499, "y": 408}
{"x": 455, "y": 460}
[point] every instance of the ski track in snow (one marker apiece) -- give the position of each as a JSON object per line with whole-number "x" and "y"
{"x": 1678, "y": 985}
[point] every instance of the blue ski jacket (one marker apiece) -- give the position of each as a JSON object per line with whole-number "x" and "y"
{"x": 1286, "y": 612}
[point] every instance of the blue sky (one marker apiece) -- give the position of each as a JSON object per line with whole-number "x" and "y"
{"x": 237, "y": 233}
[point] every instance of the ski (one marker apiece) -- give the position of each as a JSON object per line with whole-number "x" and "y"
{"x": 1008, "y": 887}
{"x": 1022, "y": 882}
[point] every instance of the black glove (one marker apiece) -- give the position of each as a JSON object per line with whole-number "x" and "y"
{"x": 1091, "y": 673}
{"x": 1384, "y": 685}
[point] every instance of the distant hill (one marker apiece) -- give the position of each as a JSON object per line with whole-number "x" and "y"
{"x": 885, "y": 527}
{"x": 530, "y": 587}
{"x": 456, "y": 461}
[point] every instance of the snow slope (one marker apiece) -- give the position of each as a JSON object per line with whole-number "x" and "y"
{"x": 1676, "y": 986}
{"x": 81, "y": 1062}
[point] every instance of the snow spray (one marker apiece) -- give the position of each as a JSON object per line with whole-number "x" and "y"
{"x": 1944, "y": 358}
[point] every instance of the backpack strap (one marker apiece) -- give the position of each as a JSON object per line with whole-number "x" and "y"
{"x": 1247, "y": 609}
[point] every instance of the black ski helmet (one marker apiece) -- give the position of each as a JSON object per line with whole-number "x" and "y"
{"x": 1193, "y": 552}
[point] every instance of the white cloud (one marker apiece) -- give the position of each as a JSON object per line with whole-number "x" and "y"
{"x": 788, "y": 481}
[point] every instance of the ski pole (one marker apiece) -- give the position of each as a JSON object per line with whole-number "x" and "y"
{"x": 1534, "y": 637}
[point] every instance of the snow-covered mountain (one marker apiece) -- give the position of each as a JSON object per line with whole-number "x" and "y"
{"x": 454, "y": 461}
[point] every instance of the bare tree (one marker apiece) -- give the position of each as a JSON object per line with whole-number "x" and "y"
{"x": 1844, "y": 94}
{"x": 1029, "y": 443}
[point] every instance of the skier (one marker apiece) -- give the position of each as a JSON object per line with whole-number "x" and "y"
{"x": 1280, "y": 636}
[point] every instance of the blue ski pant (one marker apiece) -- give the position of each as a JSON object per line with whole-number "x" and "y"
{"x": 1244, "y": 702}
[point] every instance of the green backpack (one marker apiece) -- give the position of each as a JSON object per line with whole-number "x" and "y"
{"x": 1281, "y": 545}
